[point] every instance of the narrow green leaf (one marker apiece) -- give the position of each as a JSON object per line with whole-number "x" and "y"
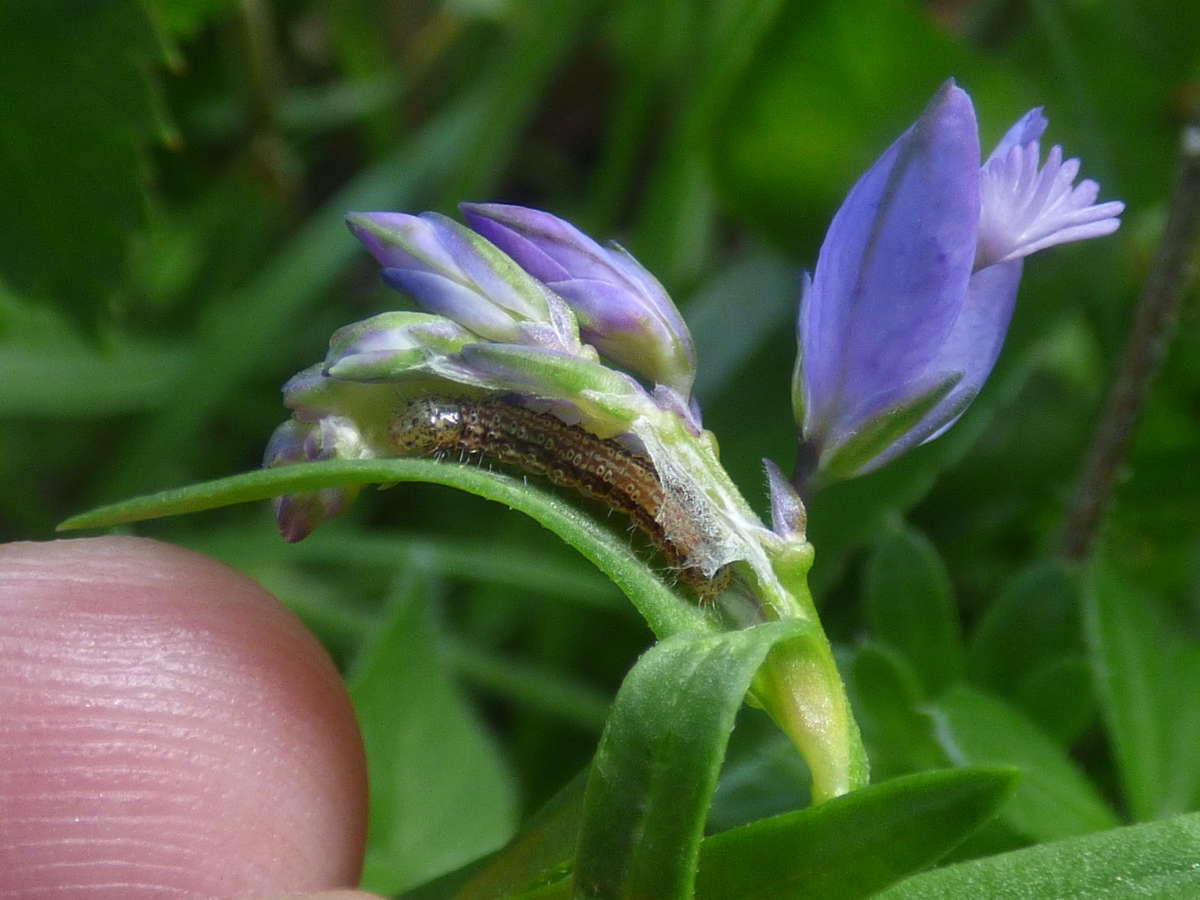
{"x": 1034, "y": 620}
{"x": 79, "y": 112}
{"x": 534, "y": 571}
{"x": 1156, "y": 860}
{"x": 1059, "y": 696}
{"x": 51, "y": 371}
{"x": 885, "y": 692}
{"x": 910, "y": 607}
{"x": 540, "y": 856}
{"x": 428, "y": 757}
{"x": 537, "y": 687}
{"x": 1181, "y": 791}
{"x": 1129, "y": 659}
{"x": 855, "y": 844}
{"x": 665, "y": 611}
{"x": 676, "y": 224}
{"x": 656, "y": 767}
{"x": 1053, "y": 799}
{"x": 762, "y": 775}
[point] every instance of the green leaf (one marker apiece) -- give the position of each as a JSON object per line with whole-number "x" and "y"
{"x": 885, "y": 692}
{"x": 1156, "y": 860}
{"x": 1034, "y": 620}
{"x": 1059, "y": 696}
{"x": 675, "y": 228}
{"x": 1053, "y": 799}
{"x": 541, "y": 855}
{"x": 1147, "y": 686}
{"x": 665, "y": 611}
{"x": 855, "y": 844}
{"x": 656, "y": 767}
{"x": 186, "y": 17}
{"x": 910, "y": 607}
{"x": 428, "y": 757}
{"x": 762, "y": 775}
{"x": 50, "y": 371}
{"x": 78, "y": 109}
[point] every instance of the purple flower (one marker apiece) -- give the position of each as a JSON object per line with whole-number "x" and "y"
{"x": 453, "y": 272}
{"x": 622, "y": 309}
{"x": 915, "y": 282}
{"x": 294, "y": 441}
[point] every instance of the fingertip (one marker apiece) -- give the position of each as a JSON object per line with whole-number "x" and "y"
{"x": 169, "y": 727}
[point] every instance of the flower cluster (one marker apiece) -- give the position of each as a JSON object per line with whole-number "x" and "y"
{"x": 522, "y": 304}
{"x": 899, "y": 325}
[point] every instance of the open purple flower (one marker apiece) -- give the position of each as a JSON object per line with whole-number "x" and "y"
{"x": 903, "y": 319}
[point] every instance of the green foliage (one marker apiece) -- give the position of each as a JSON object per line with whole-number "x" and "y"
{"x": 657, "y": 764}
{"x": 1157, "y": 860}
{"x": 910, "y": 606}
{"x": 1146, "y": 681}
{"x": 79, "y": 112}
{"x": 429, "y": 757}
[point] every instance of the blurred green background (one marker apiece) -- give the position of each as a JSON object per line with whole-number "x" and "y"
{"x": 173, "y": 176}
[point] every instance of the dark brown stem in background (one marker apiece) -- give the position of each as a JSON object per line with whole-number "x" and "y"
{"x": 1158, "y": 308}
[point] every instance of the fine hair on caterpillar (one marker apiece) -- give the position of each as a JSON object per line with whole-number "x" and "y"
{"x": 537, "y": 443}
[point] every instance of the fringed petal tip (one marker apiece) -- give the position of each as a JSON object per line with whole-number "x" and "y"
{"x": 1026, "y": 208}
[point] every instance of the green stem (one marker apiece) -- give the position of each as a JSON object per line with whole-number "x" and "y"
{"x": 799, "y": 685}
{"x": 800, "y": 688}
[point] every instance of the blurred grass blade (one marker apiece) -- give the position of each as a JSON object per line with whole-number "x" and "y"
{"x": 1033, "y": 621}
{"x": 524, "y": 684}
{"x": 910, "y": 607}
{"x": 655, "y": 770}
{"x": 673, "y": 231}
{"x": 1053, "y": 799}
{"x": 664, "y": 611}
{"x": 853, "y": 845}
{"x": 1147, "y": 686}
{"x": 464, "y": 147}
{"x": 429, "y": 757}
{"x": 1157, "y": 860}
{"x": 885, "y": 694}
{"x": 514, "y": 565}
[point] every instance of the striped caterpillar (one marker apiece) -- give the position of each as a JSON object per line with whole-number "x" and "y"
{"x": 566, "y": 455}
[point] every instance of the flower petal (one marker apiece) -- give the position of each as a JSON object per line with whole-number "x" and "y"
{"x": 451, "y": 299}
{"x": 1025, "y": 130}
{"x": 626, "y": 313}
{"x": 1026, "y": 209}
{"x": 893, "y": 269}
{"x": 971, "y": 350}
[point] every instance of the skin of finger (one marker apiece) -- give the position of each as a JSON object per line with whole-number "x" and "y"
{"x": 326, "y": 895}
{"x": 167, "y": 728}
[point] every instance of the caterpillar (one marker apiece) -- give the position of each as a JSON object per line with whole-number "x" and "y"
{"x": 566, "y": 455}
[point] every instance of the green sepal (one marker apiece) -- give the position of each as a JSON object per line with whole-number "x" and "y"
{"x": 883, "y": 430}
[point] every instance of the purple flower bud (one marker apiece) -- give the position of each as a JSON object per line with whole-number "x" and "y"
{"x": 453, "y": 272}
{"x": 789, "y": 519}
{"x": 622, "y": 309}
{"x": 293, "y": 441}
{"x": 914, "y": 287}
